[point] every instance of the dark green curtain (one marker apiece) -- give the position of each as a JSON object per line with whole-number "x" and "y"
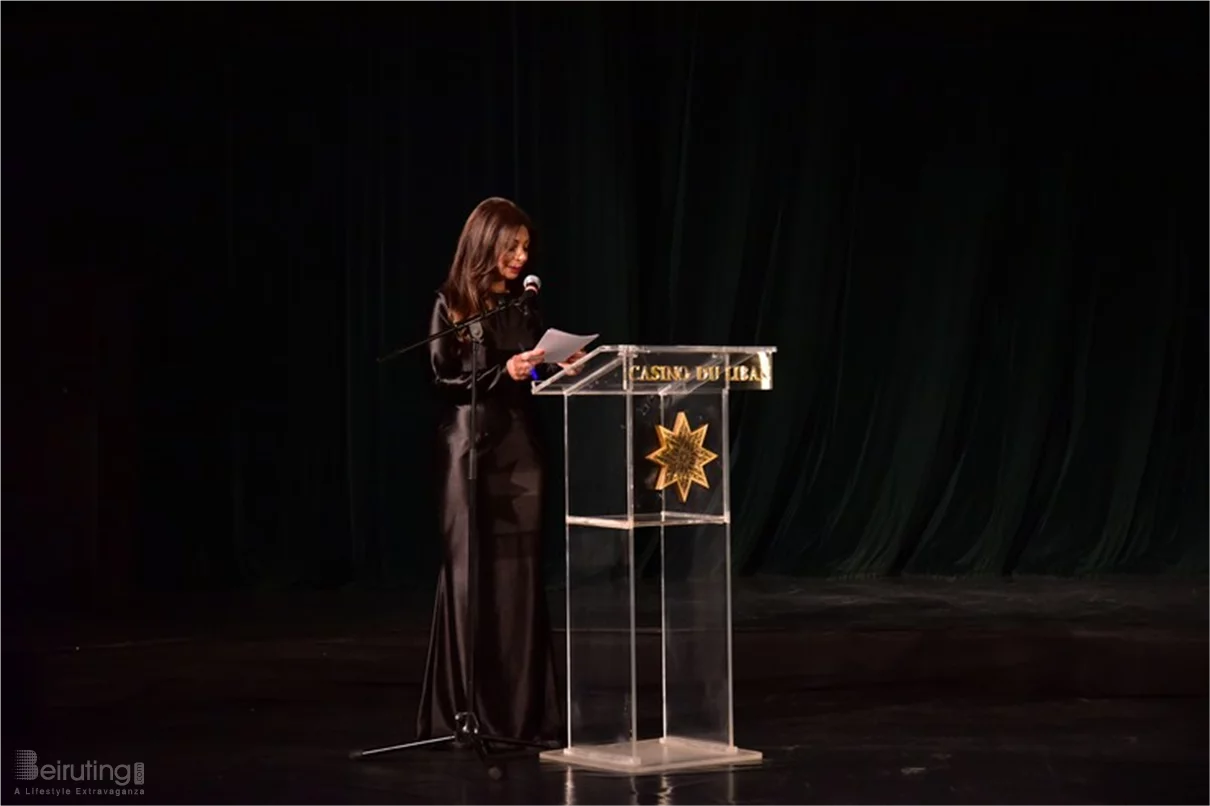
{"x": 977, "y": 239}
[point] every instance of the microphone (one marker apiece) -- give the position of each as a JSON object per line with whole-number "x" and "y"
{"x": 532, "y": 284}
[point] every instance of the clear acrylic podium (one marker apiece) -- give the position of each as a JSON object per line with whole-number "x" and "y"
{"x": 647, "y": 472}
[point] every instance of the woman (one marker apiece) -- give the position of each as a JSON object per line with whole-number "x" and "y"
{"x": 514, "y": 673}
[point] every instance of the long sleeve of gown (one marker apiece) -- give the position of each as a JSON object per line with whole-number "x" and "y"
{"x": 450, "y": 358}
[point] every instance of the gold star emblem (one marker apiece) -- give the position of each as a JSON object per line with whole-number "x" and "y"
{"x": 681, "y": 456}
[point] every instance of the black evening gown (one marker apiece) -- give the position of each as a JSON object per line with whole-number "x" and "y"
{"x": 514, "y": 672}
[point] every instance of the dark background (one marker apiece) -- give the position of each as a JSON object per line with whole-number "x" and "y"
{"x": 976, "y": 234}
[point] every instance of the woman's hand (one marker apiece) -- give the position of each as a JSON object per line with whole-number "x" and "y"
{"x": 576, "y": 356}
{"x": 521, "y": 364}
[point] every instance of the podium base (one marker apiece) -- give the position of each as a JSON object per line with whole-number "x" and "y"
{"x": 652, "y": 756}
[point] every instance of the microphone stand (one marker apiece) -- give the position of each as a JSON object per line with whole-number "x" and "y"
{"x": 466, "y": 721}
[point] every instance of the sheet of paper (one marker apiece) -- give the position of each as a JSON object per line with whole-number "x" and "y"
{"x": 560, "y": 346}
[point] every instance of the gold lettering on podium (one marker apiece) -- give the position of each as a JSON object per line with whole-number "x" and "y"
{"x": 669, "y": 373}
{"x": 744, "y": 374}
{"x": 659, "y": 373}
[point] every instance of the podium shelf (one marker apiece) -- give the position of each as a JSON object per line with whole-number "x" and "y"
{"x": 646, "y": 520}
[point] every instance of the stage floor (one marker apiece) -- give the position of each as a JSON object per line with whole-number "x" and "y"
{"x": 1026, "y": 691}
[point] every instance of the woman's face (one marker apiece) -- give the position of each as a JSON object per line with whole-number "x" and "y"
{"x": 512, "y": 260}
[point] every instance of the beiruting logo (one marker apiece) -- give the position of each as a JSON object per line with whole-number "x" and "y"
{"x": 25, "y": 768}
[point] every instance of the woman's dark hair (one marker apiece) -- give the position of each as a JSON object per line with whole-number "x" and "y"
{"x": 489, "y": 232}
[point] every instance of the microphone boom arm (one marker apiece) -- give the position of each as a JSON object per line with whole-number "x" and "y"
{"x": 449, "y": 331}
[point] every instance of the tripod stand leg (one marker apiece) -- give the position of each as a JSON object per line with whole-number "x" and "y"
{"x": 378, "y": 751}
{"x": 493, "y": 770}
{"x": 467, "y": 725}
{"x": 489, "y": 739}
